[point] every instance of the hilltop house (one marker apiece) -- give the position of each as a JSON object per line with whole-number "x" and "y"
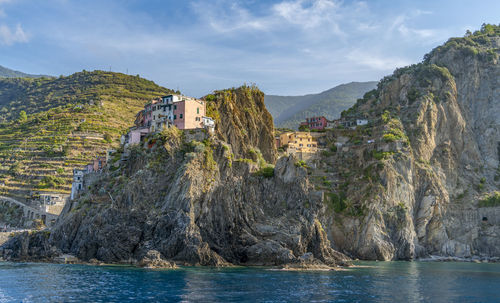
{"x": 181, "y": 111}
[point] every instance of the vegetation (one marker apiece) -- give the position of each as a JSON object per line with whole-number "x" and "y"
{"x": 491, "y": 200}
{"x": 301, "y": 163}
{"x": 336, "y": 202}
{"x": 472, "y": 44}
{"x": 266, "y": 172}
{"x": 50, "y": 182}
{"x": 53, "y": 125}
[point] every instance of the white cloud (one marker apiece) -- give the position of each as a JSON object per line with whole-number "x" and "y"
{"x": 308, "y": 14}
{"x": 10, "y": 36}
{"x": 376, "y": 62}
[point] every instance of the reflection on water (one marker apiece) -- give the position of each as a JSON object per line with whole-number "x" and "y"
{"x": 375, "y": 282}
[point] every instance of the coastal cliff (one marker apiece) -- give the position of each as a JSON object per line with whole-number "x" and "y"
{"x": 419, "y": 179}
{"x": 188, "y": 197}
{"x": 421, "y": 185}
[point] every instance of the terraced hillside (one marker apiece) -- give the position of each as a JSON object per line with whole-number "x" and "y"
{"x": 69, "y": 121}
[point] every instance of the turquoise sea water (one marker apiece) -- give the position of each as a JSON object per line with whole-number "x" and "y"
{"x": 374, "y": 282}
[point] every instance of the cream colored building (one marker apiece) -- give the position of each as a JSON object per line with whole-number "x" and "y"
{"x": 299, "y": 142}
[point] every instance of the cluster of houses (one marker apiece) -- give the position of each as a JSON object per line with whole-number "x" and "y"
{"x": 185, "y": 113}
{"x": 172, "y": 110}
{"x": 321, "y": 123}
{"x": 307, "y": 142}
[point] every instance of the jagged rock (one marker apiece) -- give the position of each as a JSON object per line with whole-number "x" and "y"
{"x": 196, "y": 203}
{"x": 153, "y": 259}
{"x": 423, "y": 198}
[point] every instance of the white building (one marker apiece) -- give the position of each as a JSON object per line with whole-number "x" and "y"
{"x": 208, "y": 123}
{"x": 77, "y": 184}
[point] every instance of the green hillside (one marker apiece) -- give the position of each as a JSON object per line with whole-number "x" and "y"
{"x": 9, "y": 73}
{"x": 289, "y": 111}
{"x": 69, "y": 121}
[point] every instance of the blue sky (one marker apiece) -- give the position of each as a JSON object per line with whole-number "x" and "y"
{"x": 286, "y": 47}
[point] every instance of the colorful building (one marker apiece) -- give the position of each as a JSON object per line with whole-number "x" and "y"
{"x": 315, "y": 123}
{"x": 181, "y": 111}
{"x": 298, "y": 142}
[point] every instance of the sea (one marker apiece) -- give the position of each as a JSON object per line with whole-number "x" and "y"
{"x": 366, "y": 282}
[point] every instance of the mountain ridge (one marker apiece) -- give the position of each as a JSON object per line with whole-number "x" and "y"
{"x": 10, "y": 73}
{"x": 289, "y": 111}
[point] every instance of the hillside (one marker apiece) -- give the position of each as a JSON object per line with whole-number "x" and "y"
{"x": 422, "y": 178}
{"x": 9, "y": 73}
{"x": 69, "y": 121}
{"x": 289, "y": 111}
{"x": 190, "y": 197}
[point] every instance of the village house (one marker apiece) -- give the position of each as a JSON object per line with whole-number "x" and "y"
{"x": 172, "y": 110}
{"x": 96, "y": 166}
{"x": 77, "y": 184}
{"x": 298, "y": 142}
{"x": 318, "y": 123}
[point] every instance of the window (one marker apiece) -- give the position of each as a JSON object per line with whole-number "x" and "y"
{"x": 175, "y": 107}
{"x": 180, "y": 116}
{"x": 175, "y": 117}
{"x": 198, "y": 110}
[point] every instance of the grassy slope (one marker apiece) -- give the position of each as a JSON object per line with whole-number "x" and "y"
{"x": 59, "y": 135}
{"x": 290, "y": 111}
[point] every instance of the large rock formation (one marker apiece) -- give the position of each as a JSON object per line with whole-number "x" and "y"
{"x": 243, "y": 121}
{"x": 416, "y": 190}
{"x": 186, "y": 197}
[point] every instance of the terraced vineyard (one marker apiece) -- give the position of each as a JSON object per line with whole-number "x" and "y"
{"x": 38, "y": 152}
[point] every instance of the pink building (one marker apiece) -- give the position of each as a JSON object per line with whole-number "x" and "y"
{"x": 188, "y": 113}
{"x": 135, "y": 136}
{"x": 316, "y": 122}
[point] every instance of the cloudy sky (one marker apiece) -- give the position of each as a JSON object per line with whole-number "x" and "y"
{"x": 286, "y": 47}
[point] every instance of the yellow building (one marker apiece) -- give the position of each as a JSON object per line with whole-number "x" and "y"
{"x": 299, "y": 142}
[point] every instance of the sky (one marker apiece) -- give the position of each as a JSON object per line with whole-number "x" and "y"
{"x": 286, "y": 47}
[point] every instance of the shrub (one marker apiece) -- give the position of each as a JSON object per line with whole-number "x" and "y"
{"x": 491, "y": 201}
{"x": 335, "y": 201}
{"x": 301, "y": 163}
{"x": 266, "y": 172}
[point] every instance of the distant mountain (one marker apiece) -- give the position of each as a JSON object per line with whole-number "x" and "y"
{"x": 289, "y": 111}
{"x": 9, "y": 73}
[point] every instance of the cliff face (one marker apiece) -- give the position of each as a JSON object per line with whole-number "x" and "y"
{"x": 188, "y": 199}
{"x": 436, "y": 155}
{"x": 243, "y": 121}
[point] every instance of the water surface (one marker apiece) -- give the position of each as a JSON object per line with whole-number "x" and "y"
{"x": 374, "y": 282}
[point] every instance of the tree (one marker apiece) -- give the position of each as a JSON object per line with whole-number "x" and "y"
{"x": 304, "y": 128}
{"x": 22, "y": 116}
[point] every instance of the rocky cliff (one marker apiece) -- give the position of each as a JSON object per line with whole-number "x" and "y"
{"x": 416, "y": 180}
{"x": 243, "y": 121}
{"x": 187, "y": 197}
